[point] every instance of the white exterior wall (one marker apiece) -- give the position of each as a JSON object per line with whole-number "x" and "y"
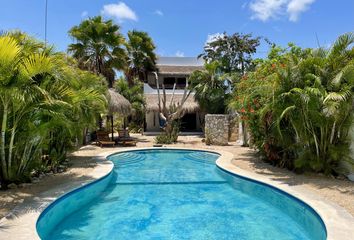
{"x": 152, "y": 121}
{"x": 152, "y": 118}
{"x": 151, "y": 79}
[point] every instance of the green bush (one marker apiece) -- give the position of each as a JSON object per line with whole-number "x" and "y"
{"x": 135, "y": 128}
{"x": 298, "y": 105}
{"x": 169, "y": 138}
{"x": 163, "y": 139}
{"x": 46, "y": 105}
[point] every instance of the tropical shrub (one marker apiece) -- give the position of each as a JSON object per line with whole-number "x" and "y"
{"x": 209, "y": 87}
{"x": 233, "y": 53}
{"x": 135, "y": 95}
{"x": 163, "y": 139}
{"x": 169, "y": 137}
{"x": 298, "y": 105}
{"x": 46, "y": 103}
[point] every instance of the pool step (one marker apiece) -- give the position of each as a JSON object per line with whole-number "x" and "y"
{"x": 200, "y": 157}
{"x": 128, "y": 158}
{"x": 171, "y": 183}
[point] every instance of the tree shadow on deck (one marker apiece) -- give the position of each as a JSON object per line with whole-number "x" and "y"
{"x": 17, "y": 202}
{"x": 251, "y": 162}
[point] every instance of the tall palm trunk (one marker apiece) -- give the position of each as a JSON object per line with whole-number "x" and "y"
{"x": 3, "y": 139}
{"x": 11, "y": 146}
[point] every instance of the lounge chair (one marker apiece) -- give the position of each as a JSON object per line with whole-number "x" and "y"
{"x": 103, "y": 139}
{"x": 125, "y": 139}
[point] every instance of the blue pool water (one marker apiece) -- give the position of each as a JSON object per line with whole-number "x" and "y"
{"x": 177, "y": 194}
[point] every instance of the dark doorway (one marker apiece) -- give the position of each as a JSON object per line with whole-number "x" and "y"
{"x": 189, "y": 122}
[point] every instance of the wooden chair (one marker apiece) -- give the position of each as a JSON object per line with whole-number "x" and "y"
{"x": 125, "y": 139}
{"x": 103, "y": 139}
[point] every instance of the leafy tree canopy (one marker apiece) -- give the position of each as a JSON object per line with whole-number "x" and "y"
{"x": 141, "y": 55}
{"x": 210, "y": 88}
{"x": 233, "y": 52}
{"x": 99, "y": 47}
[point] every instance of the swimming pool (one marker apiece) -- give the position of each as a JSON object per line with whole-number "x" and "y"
{"x": 177, "y": 194}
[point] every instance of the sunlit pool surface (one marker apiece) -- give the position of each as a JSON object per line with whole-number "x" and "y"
{"x": 177, "y": 194}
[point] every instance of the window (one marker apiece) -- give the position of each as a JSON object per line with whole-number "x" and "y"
{"x": 181, "y": 82}
{"x": 169, "y": 82}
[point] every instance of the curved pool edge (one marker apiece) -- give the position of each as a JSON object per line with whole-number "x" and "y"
{"x": 102, "y": 175}
{"x": 21, "y": 222}
{"x": 338, "y": 222}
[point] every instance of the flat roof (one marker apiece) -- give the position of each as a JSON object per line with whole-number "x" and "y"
{"x": 179, "y": 61}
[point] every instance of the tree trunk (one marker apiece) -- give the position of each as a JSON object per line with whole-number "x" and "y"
{"x": 12, "y": 139}
{"x": 168, "y": 128}
{"x": 111, "y": 117}
{"x": 84, "y": 133}
{"x": 244, "y": 134}
{"x": 243, "y": 124}
{"x": 3, "y": 138}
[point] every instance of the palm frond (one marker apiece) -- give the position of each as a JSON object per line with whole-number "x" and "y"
{"x": 338, "y": 96}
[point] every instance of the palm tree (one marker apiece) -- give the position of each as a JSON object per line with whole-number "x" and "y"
{"x": 45, "y": 102}
{"x": 98, "y": 47}
{"x": 302, "y": 105}
{"x": 135, "y": 95}
{"x": 319, "y": 108}
{"x": 210, "y": 88}
{"x": 19, "y": 70}
{"x": 141, "y": 56}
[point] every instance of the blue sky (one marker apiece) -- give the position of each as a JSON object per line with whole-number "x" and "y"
{"x": 182, "y": 27}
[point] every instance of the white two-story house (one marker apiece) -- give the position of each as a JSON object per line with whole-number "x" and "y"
{"x": 171, "y": 70}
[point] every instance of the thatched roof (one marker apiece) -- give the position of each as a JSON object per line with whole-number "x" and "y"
{"x": 117, "y": 103}
{"x": 189, "y": 106}
{"x": 177, "y": 70}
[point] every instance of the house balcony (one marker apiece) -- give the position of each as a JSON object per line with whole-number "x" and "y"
{"x": 169, "y": 89}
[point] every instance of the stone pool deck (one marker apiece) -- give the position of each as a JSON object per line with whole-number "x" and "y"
{"x": 19, "y": 223}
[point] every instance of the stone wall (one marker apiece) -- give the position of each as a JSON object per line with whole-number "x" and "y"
{"x": 234, "y": 129}
{"x": 217, "y": 129}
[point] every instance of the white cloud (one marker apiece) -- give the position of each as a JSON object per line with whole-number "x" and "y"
{"x": 272, "y": 9}
{"x": 295, "y": 7}
{"x": 158, "y": 12}
{"x": 119, "y": 11}
{"x": 266, "y": 9}
{"x": 213, "y": 37}
{"x": 84, "y": 14}
{"x": 179, "y": 54}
